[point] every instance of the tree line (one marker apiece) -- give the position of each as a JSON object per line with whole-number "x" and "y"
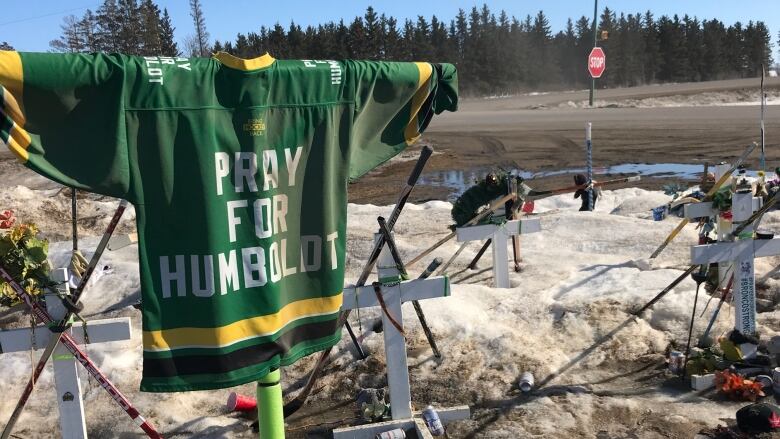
{"x": 503, "y": 54}
{"x": 125, "y": 26}
{"x": 494, "y": 53}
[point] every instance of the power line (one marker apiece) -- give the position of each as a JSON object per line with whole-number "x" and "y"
{"x": 22, "y": 20}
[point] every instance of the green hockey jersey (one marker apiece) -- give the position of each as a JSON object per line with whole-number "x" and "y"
{"x": 238, "y": 172}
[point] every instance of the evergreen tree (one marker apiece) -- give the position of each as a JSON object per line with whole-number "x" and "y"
{"x": 151, "y": 29}
{"x": 545, "y": 71}
{"x": 461, "y": 34}
{"x": 277, "y": 41}
{"x": 713, "y": 58}
{"x": 88, "y": 28}
{"x": 201, "y": 35}
{"x": 652, "y": 54}
{"x": 422, "y": 48}
{"x": 391, "y": 46}
{"x": 571, "y": 64}
{"x": 356, "y": 43}
{"x": 168, "y": 46}
{"x": 735, "y": 60}
{"x": 108, "y": 27}
{"x": 295, "y": 41}
{"x": 694, "y": 48}
{"x": 374, "y": 33}
{"x": 757, "y": 48}
{"x": 584, "y": 46}
{"x": 130, "y": 27}
{"x": 605, "y": 33}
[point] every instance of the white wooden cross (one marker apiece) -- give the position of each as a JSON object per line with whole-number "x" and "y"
{"x": 66, "y": 378}
{"x": 394, "y": 293}
{"x": 740, "y": 253}
{"x": 501, "y": 234}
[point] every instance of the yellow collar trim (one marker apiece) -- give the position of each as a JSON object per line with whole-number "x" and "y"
{"x": 234, "y": 62}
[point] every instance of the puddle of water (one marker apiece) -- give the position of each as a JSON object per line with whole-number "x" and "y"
{"x": 458, "y": 181}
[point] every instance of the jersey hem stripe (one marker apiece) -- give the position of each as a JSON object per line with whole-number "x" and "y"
{"x": 225, "y": 336}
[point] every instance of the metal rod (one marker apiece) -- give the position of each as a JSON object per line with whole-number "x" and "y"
{"x": 589, "y": 163}
{"x": 74, "y": 218}
{"x": 595, "y": 40}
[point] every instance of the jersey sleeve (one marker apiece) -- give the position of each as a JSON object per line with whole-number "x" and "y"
{"x": 394, "y": 102}
{"x": 62, "y": 116}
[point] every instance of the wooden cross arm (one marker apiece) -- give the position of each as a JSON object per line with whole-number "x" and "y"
{"x": 699, "y": 210}
{"x": 509, "y": 228}
{"x": 733, "y": 251}
{"x": 418, "y": 289}
{"x": 99, "y": 331}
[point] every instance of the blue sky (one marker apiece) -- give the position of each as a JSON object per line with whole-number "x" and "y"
{"x": 29, "y": 25}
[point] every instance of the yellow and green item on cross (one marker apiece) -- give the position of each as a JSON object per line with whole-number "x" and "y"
{"x": 238, "y": 172}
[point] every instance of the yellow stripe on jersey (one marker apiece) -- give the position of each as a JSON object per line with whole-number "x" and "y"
{"x": 234, "y": 62}
{"x": 214, "y": 338}
{"x": 11, "y": 80}
{"x": 11, "y": 75}
{"x": 18, "y": 142}
{"x": 412, "y": 131}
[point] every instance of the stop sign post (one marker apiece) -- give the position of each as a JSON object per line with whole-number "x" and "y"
{"x": 597, "y": 62}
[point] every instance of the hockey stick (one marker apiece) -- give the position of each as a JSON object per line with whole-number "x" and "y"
{"x": 496, "y": 204}
{"x": 723, "y": 297}
{"x": 296, "y": 403}
{"x": 535, "y": 195}
{"x": 699, "y": 278}
{"x": 763, "y": 109}
{"x": 473, "y": 264}
{"x": 511, "y": 213}
{"x": 726, "y": 175}
{"x": 43, "y": 316}
{"x": 756, "y": 215}
{"x": 72, "y": 305}
{"x": 399, "y": 263}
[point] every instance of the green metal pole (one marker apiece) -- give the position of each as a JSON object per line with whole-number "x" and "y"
{"x": 595, "y": 42}
{"x": 270, "y": 406}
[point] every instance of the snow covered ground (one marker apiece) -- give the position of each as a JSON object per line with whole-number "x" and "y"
{"x": 581, "y": 277}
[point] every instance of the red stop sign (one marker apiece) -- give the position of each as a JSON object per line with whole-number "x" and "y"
{"x": 597, "y": 62}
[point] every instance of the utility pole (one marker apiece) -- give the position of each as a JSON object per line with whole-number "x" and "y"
{"x": 595, "y": 43}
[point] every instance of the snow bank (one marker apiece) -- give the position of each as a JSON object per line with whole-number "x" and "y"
{"x": 580, "y": 279}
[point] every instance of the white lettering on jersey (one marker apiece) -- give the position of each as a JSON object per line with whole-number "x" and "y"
{"x": 335, "y": 68}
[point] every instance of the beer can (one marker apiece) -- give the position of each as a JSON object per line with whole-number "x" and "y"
{"x": 433, "y": 421}
{"x": 676, "y": 361}
{"x": 392, "y": 434}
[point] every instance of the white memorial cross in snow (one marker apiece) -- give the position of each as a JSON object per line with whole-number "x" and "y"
{"x": 739, "y": 253}
{"x": 394, "y": 293}
{"x": 501, "y": 234}
{"x": 66, "y": 378}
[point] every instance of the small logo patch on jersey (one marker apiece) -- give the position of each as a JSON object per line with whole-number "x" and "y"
{"x": 254, "y": 127}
